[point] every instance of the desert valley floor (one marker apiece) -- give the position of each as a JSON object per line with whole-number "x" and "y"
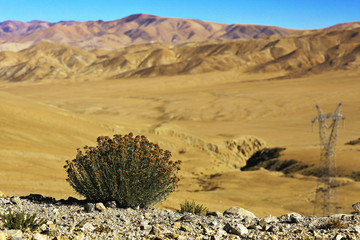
{"x": 42, "y": 124}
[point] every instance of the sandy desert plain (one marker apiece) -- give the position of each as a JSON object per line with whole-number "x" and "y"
{"x": 192, "y": 114}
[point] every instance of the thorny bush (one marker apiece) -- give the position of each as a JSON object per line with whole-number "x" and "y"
{"x": 131, "y": 171}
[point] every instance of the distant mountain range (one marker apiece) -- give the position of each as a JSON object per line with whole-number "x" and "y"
{"x": 286, "y": 55}
{"x": 134, "y": 29}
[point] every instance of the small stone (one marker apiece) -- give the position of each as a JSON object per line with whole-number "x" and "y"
{"x": 239, "y": 229}
{"x": 60, "y": 238}
{"x": 186, "y": 228}
{"x": 111, "y": 204}
{"x": 215, "y": 214}
{"x": 206, "y": 229}
{"x": 15, "y": 234}
{"x": 147, "y": 215}
{"x": 89, "y": 207}
{"x": 271, "y": 228}
{"x": 5, "y": 201}
{"x": 186, "y": 218}
{"x": 38, "y": 236}
{"x": 145, "y": 227}
{"x": 155, "y": 231}
{"x": 3, "y": 236}
{"x": 233, "y": 237}
{"x": 158, "y": 238}
{"x": 80, "y": 236}
{"x": 87, "y": 227}
{"x": 53, "y": 234}
{"x": 16, "y": 200}
{"x": 339, "y": 237}
{"x": 357, "y": 229}
{"x": 172, "y": 235}
{"x": 262, "y": 223}
{"x": 215, "y": 237}
{"x": 221, "y": 232}
{"x": 271, "y": 219}
{"x": 249, "y": 221}
{"x": 52, "y": 226}
{"x": 100, "y": 207}
{"x": 356, "y": 207}
{"x": 239, "y": 211}
{"x": 253, "y": 226}
{"x": 292, "y": 217}
{"x": 177, "y": 224}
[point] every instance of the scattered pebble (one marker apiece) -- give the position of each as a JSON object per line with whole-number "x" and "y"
{"x": 75, "y": 219}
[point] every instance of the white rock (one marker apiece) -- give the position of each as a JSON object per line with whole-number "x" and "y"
{"x": 3, "y": 236}
{"x": 292, "y": 217}
{"x": 270, "y": 219}
{"x": 38, "y": 236}
{"x": 242, "y": 229}
{"x": 16, "y": 200}
{"x": 15, "y": 233}
{"x": 338, "y": 237}
{"x": 237, "y": 229}
{"x": 239, "y": 211}
{"x": 100, "y": 207}
{"x": 221, "y": 232}
{"x": 357, "y": 229}
{"x": 88, "y": 227}
{"x": 80, "y": 236}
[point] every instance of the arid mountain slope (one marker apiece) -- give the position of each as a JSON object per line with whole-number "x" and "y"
{"x": 289, "y": 56}
{"x": 134, "y": 29}
{"x": 347, "y": 25}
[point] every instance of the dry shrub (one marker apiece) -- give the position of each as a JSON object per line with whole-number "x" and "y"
{"x": 21, "y": 221}
{"x": 131, "y": 171}
{"x": 192, "y": 207}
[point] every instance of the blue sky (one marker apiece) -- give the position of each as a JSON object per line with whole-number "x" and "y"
{"x": 302, "y": 14}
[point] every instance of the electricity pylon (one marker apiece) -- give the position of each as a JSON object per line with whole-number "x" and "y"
{"x": 326, "y": 201}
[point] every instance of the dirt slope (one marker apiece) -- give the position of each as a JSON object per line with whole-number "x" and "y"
{"x": 201, "y": 119}
{"x": 37, "y": 138}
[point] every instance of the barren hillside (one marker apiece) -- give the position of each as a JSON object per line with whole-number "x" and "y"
{"x": 288, "y": 56}
{"x": 134, "y": 29}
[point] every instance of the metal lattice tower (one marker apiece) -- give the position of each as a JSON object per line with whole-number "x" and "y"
{"x": 326, "y": 201}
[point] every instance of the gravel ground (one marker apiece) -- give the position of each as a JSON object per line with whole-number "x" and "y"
{"x": 76, "y": 219}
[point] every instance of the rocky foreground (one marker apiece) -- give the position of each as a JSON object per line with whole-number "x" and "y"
{"x": 76, "y": 219}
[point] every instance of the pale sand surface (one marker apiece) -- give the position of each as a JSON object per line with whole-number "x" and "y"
{"x": 42, "y": 124}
